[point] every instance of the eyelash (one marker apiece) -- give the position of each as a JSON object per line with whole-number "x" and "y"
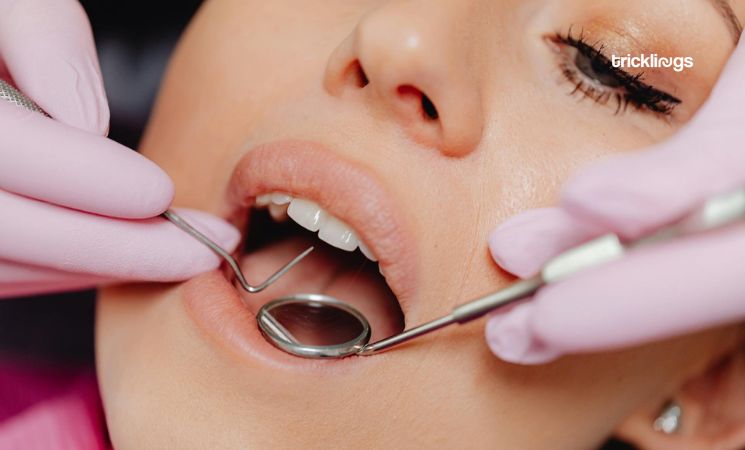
{"x": 616, "y": 84}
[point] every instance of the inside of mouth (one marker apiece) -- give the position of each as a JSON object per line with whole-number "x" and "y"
{"x": 311, "y": 323}
{"x": 272, "y": 239}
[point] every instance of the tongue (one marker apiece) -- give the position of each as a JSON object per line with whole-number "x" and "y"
{"x": 326, "y": 271}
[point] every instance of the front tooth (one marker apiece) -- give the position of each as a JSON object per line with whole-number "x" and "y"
{"x": 279, "y": 198}
{"x": 278, "y": 212}
{"x": 263, "y": 200}
{"x": 366, "y": 251}
{"x": 306, "y": 213}
{"x": 338, "y": 234}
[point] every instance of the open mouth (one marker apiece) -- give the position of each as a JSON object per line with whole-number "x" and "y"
{"x": 341, "y": 265}
{"x": 288, "y": 196}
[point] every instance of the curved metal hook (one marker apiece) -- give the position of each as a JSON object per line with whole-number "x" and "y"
{"x": 181, "y": 223}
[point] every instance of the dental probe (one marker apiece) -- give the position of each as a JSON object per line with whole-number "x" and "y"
{"x": 221, "y": 252}
{"x": 718, "y": 212}
{"x": 16, "y": 97}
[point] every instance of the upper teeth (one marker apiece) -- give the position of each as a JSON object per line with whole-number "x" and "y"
{"x": 311, "y": 216}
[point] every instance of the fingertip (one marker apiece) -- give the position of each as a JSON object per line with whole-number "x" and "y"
{"x": 510, "y": 244}
{"x": 199, "y": 257}
{"x": 511, "y": 255}
{"x": 509, "y": 337}
{"x": 55, "y": 163}
{"x": 150, "y": 191}
{"x": 524, "y": 243}
{"x": 200, "y": 262}
{"x": 157, "y": 192}
{"x": 170, "y": 254}
{"x": 215, "y": 228}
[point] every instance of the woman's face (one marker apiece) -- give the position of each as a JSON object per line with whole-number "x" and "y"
{"x": 420, "y": 126}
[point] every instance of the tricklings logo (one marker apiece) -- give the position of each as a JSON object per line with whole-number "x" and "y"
{"x": 677, "y": 63}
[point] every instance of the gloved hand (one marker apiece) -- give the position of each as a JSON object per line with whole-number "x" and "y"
{"x": 66, "y": 191}
{"x": 653, "y": 293}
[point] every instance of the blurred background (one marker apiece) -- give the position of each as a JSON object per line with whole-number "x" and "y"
{"x": 134, "y": 41}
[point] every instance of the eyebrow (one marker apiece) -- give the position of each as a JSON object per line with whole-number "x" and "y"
{"x": 733, "y": 23}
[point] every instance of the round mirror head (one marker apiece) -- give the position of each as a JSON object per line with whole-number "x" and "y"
{"x": 313, "y": 326}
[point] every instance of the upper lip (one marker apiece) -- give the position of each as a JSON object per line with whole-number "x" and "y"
{"x": 346, "y": 190}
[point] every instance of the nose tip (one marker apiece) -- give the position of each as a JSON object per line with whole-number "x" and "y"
{"x": 409, "y": 69}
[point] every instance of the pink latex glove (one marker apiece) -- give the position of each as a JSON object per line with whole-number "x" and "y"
{"x": 653, "y": 293}
{"x": 67, "y": 193}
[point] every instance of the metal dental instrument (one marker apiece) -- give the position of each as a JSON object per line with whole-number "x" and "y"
{"x": 225, "y": 255}
{"x": 282, "y": 321}
{"x": 13, "y": 95}
{"x": 16, "y": 97}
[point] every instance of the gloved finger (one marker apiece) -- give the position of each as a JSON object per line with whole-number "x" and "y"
{"x": 47, "y": 47}
{"x": 504, "y": 334}
{"x": 15, "y": 272}
{"x": 150, "y": 250}
{"x": 522, "y": 244}
{"x": 18, "y": 280}
{"x": 633, "y": 301}
{"x": 44, "y": 159}
{"x": 634, "y": 194}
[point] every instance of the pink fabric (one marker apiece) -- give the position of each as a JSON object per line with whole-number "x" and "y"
{"x": 50, "y": 408}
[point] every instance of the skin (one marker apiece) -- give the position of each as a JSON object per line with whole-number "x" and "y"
{"x": 507, "y": 136}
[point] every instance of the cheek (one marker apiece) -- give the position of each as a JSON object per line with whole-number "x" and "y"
{"x": 125, "y": 352}
{"x": 161, "y": 385}
{"x": 516, "y": 168}
{"x": 215, "y": 90}
{"x": 522, "y": 164}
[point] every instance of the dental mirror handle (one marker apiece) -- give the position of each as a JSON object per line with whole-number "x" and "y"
{"x": 461, "y": 314}
{"x": 718, "y": 212}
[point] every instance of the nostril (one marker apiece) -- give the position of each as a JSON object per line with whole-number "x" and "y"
{"x": 358, "y": 74}
{"x": 429, "y": 108}
{"x": 426, "y": 107}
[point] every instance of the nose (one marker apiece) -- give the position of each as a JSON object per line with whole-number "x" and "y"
{"x": 405, "y": 59}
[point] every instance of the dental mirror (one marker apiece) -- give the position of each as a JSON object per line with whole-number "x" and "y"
{"x": 320, "y": 326}
{"x": 314, "y": 326}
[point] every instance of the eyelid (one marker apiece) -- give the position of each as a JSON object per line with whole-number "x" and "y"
{"x": 631, "y": 89}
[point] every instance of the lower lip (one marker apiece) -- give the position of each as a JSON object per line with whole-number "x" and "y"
{"x": 215, "y": 305}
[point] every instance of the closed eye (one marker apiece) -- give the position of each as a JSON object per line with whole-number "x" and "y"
{"x": 594, "y": 76}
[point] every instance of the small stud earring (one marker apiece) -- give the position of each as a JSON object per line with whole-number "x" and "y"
{"x": 668, "y": 421}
